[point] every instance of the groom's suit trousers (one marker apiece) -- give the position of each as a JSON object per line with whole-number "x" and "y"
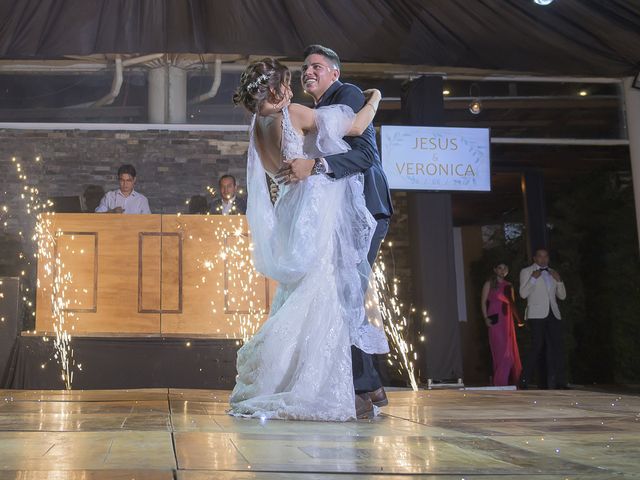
{"x": 365, "y": 376}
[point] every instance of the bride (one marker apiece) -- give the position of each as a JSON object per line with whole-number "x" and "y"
{"x": 313, "y": 241}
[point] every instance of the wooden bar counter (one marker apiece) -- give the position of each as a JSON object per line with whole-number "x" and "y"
{"x": 111, "y": 274}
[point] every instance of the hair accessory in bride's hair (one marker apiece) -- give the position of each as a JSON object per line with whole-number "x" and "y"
{"x": 262, "y": 79}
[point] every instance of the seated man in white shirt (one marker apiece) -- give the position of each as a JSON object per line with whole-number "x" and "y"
{"x": 125, "y": 199}
{"x": 229, "y": 202}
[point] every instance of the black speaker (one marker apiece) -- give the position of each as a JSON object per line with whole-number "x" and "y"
{"x": 9, "y": 329}
{"x": 66, "y": 204}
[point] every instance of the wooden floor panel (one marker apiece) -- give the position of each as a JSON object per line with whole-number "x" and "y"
{"x": 186, "y": 434}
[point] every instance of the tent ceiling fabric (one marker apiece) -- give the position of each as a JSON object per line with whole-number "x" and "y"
{"x": 568, "y": 37}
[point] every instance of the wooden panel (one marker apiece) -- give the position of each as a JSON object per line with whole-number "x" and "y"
{"x": 171, "y": 272}
{"x": 219, "y": 296}
{"x": 117, "y": 273}
{"x": 245, "y": 291}
{"x": 78, "y": 253}
{"x": 152, "y": 274}
{"x": 149, "y": 287}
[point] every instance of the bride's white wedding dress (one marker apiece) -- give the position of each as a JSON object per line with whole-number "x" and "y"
{"x": 314, "y": 242}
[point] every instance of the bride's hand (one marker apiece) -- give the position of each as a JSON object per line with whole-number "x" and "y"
{"x": 372, "y": 95}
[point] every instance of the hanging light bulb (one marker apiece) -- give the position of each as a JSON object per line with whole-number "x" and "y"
{"x": 475, "y": 106}
{"x": 544, "y": 3}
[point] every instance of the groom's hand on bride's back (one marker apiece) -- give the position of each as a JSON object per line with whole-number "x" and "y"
{"x": 295, "y": 171}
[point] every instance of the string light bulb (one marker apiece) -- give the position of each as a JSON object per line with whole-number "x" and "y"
{"x": 475, "y": 106}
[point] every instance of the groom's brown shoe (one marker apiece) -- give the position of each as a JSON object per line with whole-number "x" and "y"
{"x": 364, "y": 407}
{"x": 378, "y": 397}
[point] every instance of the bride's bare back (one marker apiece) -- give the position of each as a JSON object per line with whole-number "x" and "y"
{"x": 268, "y": 140}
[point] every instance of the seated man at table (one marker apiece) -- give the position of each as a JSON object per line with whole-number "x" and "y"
{"x": 229, "y": 202}
{"x": 125, "y": 199}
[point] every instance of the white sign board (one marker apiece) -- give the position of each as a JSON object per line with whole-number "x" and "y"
{"x": 436, "y": 158}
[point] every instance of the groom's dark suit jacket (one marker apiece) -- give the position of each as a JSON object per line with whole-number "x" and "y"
{"x": 363, "y": 156}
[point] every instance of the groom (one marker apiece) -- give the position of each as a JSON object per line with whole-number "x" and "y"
{"x": 320, "y": 79}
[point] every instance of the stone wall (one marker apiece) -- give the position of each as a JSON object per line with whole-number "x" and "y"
{"x": 171, "y": 165}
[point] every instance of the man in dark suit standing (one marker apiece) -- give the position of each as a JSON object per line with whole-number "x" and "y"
{"x": 229, "y": 202}
{"x": 320, "y": 79}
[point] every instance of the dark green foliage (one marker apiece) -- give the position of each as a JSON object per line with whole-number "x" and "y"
{"x": 596, "y": 243}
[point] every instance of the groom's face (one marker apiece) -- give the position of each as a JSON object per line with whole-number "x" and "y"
{"x": 318, "y": 73}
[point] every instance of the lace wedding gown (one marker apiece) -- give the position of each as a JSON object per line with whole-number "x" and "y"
{"x": 314, "y": 242}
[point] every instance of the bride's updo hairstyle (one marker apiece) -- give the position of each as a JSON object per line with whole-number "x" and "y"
{"x": 258, "y": 83}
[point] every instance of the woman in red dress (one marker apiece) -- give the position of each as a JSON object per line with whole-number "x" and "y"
{"x": 498, "y": 310}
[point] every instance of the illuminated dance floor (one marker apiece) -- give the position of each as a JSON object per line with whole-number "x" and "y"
{"x": 185, "y": 434}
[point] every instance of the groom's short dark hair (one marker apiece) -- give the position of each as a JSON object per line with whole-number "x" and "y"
{"x": 325, "y": 52}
